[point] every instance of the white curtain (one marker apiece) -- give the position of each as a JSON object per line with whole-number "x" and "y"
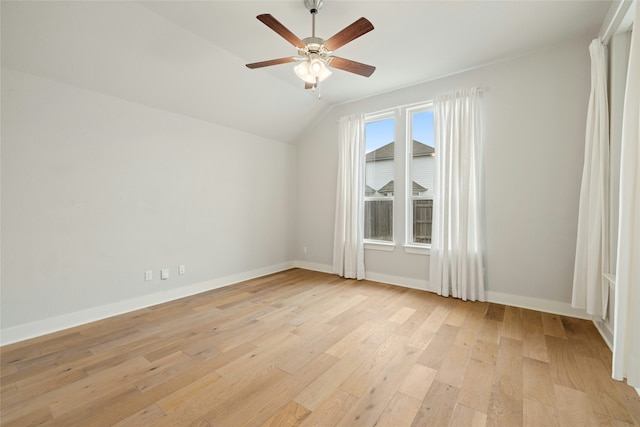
{"x": 626, "y": 335}
{"x": 456, "y": 266}
{"x": 348, "y": 238}
{"x": 590, "y": 288}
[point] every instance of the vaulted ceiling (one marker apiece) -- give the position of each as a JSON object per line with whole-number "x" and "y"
{"x": 188, "y": 57}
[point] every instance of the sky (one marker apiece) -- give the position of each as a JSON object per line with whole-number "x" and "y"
{"x": 380, "y": 132}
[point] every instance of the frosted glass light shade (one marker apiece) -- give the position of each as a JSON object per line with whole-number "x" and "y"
{"x": 310, "y": 70}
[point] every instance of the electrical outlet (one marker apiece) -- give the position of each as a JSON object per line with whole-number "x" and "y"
{"x": 148, "y": 275}
{"x": 164, "y": 274}
{"x": 182, "y": 269}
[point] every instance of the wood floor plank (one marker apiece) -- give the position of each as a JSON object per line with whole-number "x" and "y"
{"x": 308, "y": 348}
{"x": 512, "y": 323}
{"x": 144, "y": 417}
{"x": 563, "y": 364}
{"x": 418, "y": 382}
{"x": 490, "y": 331}
{"x": 574, "y": 408}
{"x": 458, "y": 314}
{"x": 355, "y": 337}
{"x": 495, "y": 312}
{"x": 602, "y": 392}
{"x": 259, "y": 404}
{"x": 437, "y": 407}
{"x": 437, "y": 318}
{"x": 552, "y": 325}
{"x": 399, "y": 412}
{"x": 536, "y": 381}
{"x": 505, "y": 404}
{"x": 475, "y": 390}
{"x": 375, "y": 398}
{"x": 327, "y": 383}
{"x": 291, "y": 414}
{"x": 465, "y": 416}
{"x": 360, "y": 379}
{"x": 485, "y": 352}
{"x": 331, "y": 410}
{"x": 454, "y": 366}
{"x": 402, "y": 315}
{"x": 435, "y": 352}
{"x": 535, "y": 414}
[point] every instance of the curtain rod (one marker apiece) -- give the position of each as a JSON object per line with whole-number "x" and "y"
{"x": 414, "y": 104}
{"x": 615, "y": 16}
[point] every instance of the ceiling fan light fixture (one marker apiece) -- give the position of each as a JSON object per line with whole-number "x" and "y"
{"x": 316, "y": 67}
{"x": 310, "y": 70}
{"x": 302, "y": 71}
{"x": 314, "y": 53}
{"x": 324, "y": 72}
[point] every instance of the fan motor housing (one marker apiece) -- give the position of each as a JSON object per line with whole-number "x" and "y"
{"x": 314, "y": 6}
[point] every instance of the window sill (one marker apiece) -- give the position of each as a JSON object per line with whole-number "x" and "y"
{"x": 417, "y": 249}
{"x": 380, "y": 246}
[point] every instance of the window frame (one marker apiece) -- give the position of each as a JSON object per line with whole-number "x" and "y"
{"x": 409, "y": 245}
{"x": 383, "y": 245}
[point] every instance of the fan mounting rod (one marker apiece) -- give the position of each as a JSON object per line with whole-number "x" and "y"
{"x": 314, "y": 7}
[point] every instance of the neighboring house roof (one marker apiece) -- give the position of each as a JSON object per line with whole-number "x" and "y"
{"x": 386, "y": 151}
{"x": 417, "y": 187}
{"x": 388, "y": 187}
{"x": 368, "y": 191}
{"x": 420, "y": 149}
{"x": 383, "y": 153}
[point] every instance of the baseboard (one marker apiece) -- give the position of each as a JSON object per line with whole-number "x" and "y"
{"x": 313, "y": 266}
{"x": 54, "y": 324}
{"x": 605, "y": 332}
{"x": 66, "y": 321}
{"x": 405, "y": 282}
{"x": 538, "y": 304}
{"x": 547, "y": 306}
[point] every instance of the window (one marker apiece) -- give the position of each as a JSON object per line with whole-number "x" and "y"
{"x": 399, "y": 172}
{"x": 379, "y": 178}
{"x": 421, "y": 152}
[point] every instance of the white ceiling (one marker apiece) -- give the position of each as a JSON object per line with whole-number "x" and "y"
{"x": 188, "y": 57}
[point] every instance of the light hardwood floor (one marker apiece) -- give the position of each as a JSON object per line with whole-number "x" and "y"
{"x": 311, "y": 349}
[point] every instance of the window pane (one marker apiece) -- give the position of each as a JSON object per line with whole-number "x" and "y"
{"x": 422, "y": 213}
{"x": 422, "y": 172}
{"x": 379, "y": 185}
{"x": 378, "y": 219}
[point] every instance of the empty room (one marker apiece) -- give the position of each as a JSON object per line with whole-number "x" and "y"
{"x": 320, "y": 213}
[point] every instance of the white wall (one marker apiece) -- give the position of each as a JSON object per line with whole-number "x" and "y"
{"x": 96, "y": 190}
{"x": 535, "y": 108}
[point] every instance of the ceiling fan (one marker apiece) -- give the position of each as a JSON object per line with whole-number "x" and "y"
{"x": 315, "y": 55}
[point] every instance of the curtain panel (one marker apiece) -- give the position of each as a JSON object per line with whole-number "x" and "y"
{"x": 590, "y": 288}
{"x": 456, "y": 261}
{"x": 626, "y": 334}
{"x": 348, "y": 238}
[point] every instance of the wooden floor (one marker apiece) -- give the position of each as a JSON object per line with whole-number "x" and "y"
{"x": 311, "y": 349}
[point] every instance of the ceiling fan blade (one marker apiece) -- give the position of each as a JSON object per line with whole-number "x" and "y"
{"x": 272, "y": 62}
{"x": 351, "y": 66}
{"x": 276, "y": 26}
{"x": 352, "y": 32}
